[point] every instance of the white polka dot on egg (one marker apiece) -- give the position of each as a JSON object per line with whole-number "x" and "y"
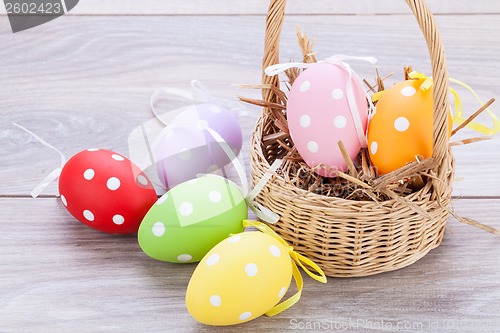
{"x": 215, "y": 109}
{"x": 251, "y": 269}
{"x": 162, "y": 199}
{"x": 340, "y": 122}
{"x": 305, "y": 121}
{"x": 64, "y": 201}
{"x": 186, "y": 208}
{"x": 89, "y": 216}
{"x": 408, "y": 91}
{"x": 374, "y": 147}
{"x": 282, "y": 292}
{"x": 118, "y": 219}
{"x": 185, "y": 257}
{"x": 213, "y": 168}
{"x": 113, "y": 183}
{"x": 93, "y": 149}
{"x": 401, "y": 124}
{"x": 337, "y": 94}
{"x": 215, "y": 196}
{"x": 158, "y": 229}
{"x": 213, "y": 259}
{"x": 142, "y": 180}
{"x": 215, "y": 300}
{"x": 117, "y": 157}
{"x": 89, "y": 174}
{"x": 245, "y": 315}
{"x": 304, "y": 86}
{"x": 313, "y": 147}
{"x": 234, "y": 239}
{"x": 275, "y": 251}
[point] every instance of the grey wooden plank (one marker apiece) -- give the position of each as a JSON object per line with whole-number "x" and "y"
{"x": 259, "y": 7}
{"x": 57, "y": 275}
{"x": 86, "y": 81}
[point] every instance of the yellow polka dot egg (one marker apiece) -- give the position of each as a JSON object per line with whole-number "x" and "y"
{"x": 402, "y": 126}
{"x": 191, "y": 218}
{"x": 240, "y": 279}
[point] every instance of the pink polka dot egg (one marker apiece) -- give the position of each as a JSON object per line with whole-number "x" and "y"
{"x": 106, "y": 191}
{"x": 319, "y": 115}
{"x": 240, "y": 279}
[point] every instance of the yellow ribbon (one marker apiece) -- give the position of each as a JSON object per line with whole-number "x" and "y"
{"x": 459, "y": 119}
{"x": 297, "y": 259}
{"x": 458, "y": 116}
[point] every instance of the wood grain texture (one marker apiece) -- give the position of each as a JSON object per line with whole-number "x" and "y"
{"x": 57, "y": 275}
{"x": 87, "y": 81}
{"x": 259, "y": 7}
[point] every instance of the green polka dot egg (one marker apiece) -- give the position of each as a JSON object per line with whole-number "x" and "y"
{"x": 191, "y": 218}
{"x": 240, "y": 279}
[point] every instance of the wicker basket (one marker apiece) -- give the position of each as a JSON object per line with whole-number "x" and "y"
{"x": 358, "y": 238}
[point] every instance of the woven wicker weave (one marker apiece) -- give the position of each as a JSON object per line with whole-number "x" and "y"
{"x": 358, "y": 238}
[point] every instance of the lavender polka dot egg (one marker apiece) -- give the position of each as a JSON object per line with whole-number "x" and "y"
{"x": 187, "y": 148}
{"x": 319, "y": 115}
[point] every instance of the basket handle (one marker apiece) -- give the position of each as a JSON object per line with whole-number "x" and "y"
{"x": 425, "y": 19}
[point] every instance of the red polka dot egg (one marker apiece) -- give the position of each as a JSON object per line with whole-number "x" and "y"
{"x": 319, "y": 115}
{"x": 402, "y": 126}
{"x": 240, "y": 279}
{"x": 106, "y": 191}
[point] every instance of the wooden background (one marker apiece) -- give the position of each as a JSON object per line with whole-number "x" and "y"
{"x": 85, "y": 80}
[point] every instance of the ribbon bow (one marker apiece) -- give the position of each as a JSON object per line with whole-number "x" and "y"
{"x": 297, "y": 259}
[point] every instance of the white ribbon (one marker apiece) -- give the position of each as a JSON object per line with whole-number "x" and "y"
{"x": 199, "y": 93}
{"x": 260, "y": 211}
{"x": 240, "y": 170}
{"x": 337, "y": 60}
{"x": 54, "y": 175}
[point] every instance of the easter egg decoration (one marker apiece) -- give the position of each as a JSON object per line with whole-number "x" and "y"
{"x": 187, "y": 148}
{"x": 401, "y": 128}
{"x": 244, "y": 277}
{"x": 191, "y": 218}
{"x": 326, "y": 104}
{"x": 105, "y": 191}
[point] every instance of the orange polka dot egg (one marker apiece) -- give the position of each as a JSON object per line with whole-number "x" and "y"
{"x": 240, "y": 279}
{"x": 402, "y": 125}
